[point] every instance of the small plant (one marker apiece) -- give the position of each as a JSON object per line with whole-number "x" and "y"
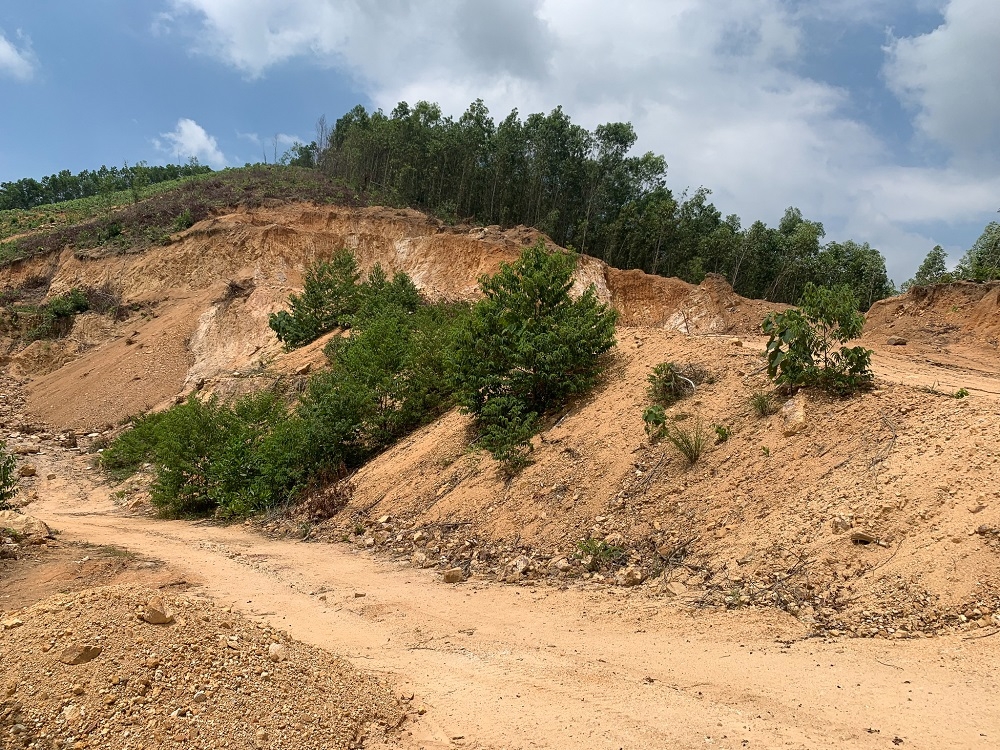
{"x": 691, "y": 442}
{"x": 722, "y": 433}
{"x": 669, "y": 382}
{"x": 655, "y": 419}
{"x": 802, "y": 349}
{"x": 8, "y": 477}
{"x": 765, "y": 451}
{"x": 184, "y": 220}
{"x": 961, "y": 393}
{"x": 597, "y": 552}
{"x": 762, "y": 403}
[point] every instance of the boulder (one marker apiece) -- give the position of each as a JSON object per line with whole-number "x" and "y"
{"x": 27, "y": 470}
{"x": 896, "y": 341}
{"x": 454, "y": 575}
{"x": 157, "y": 612}
{"x": 28, "y": 528}
{"x": 794, "y": 415}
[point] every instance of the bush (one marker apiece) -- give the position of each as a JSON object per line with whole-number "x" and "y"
{"x": 8, "y": 477}
{"x": 691, "y": 442}
{"x": 802, "y": 349}
{"x": 527, "y": 347}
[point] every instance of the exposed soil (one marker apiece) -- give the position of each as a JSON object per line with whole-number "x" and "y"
{"x": 611, "y": 594}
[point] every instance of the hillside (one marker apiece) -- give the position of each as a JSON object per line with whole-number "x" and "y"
{"x": 764, "y": 518}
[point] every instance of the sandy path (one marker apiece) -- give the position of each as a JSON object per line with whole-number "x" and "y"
{"x": 538, "y": 667}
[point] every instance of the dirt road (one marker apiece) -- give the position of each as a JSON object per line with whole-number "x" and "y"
{"x": 538, "y": 667}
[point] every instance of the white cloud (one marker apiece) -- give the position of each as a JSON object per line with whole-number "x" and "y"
{"x": 188, "y": 140}
{"x": 950, "y": 77}
{"x": 17, "y": 61}
{"x": 712, "y": 86}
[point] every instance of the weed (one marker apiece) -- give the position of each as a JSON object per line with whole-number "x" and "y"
{"x": 762, "y": 403}
{"x": 961, "y": 393}
{"x": 691, "y": 442}
{"x": 722, "y": 433}
{"x": 765, "y": 451}
{"x": 597, "y": 552}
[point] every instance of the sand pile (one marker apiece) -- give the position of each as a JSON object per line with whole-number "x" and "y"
{"x": 124, "y": 667}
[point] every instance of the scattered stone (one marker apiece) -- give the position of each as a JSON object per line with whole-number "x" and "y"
{"x": 736, "y": 342}
{"x": 841, "y": 524}
{"x": 11, "y": 624}
{"x": 27, "y": 470}
{"x": 562, "y": 565}
{"x": 157, "y": 612}
{"x": 276, "y": 652}
{"x": 519, "y": 565}
{"x": 200, "y": 697}
{"x": 304, "y": 369}
{"x": 79, "y": 654}
{"x": 794, "y": 415}
{"x": 454, "y": 575}
{"x": 896, "y": 341}
{"x": 50, "y": 477}
{"x": 674, "y": 588}
{"x": 631, "y": 576}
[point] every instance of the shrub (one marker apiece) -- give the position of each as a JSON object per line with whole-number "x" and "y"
{"x": 961, "y": 393}
{"x": 329, "y": 299}
{"x": 8, "y": 477}
{"x": 669, "y": 382}
{"x": 762, "y": 403}
{"x": 527, "y": 347}
{"x": 598, "y": 552}
{"x": 802, "y": 349}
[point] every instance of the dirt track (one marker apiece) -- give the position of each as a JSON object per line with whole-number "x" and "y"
{"x": 522, "y": 667}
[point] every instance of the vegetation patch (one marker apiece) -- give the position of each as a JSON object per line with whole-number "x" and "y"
{"x": 807, "y": 344}
{"x": 8, "y": 477}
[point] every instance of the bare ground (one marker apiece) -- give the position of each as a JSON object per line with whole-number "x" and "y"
{"x": 538, "y": 666}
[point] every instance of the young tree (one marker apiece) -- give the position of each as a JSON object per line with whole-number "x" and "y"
{"x": 982, "y": 261}
{"x": 527, "y": 347}
{"x": 933, "y": 270}
{"x": 802, "y": 349}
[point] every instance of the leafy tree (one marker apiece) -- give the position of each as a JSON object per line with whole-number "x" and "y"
{"x": 933, "y": 270}
{"x": 8, "y": 477}
{"x": 526, "y": 347}
{"x": 330, "y": 297}
{"x": 982, "y": 261}
{"x": 803, "y": 346}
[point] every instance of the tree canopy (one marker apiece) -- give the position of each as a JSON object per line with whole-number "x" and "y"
{"x": 585, "y": 189}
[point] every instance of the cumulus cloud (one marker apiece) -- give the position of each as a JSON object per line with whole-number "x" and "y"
{"x": 949, "y": 76}
{"x": 715, "y": 87}
{"x": 17, "y": 60}
{"x": 190, "y": 140}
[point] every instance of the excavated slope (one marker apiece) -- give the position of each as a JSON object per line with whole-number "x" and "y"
{"x": 207, "y": 297}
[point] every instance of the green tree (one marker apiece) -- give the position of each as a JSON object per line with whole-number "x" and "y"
{"x": 526, "y": 347}
{"x": 803, "y": 346}
{"x": 933, "y": 270}
{"x": 982, "y": 261}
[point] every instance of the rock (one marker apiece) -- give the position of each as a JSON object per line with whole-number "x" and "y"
{"x": 614, "y": 539}
{"x": 157, "y": 612}
{"x": 420, "y": 538}
{"x": 77, "y": 654}
{"x": 454, "y": 575}
{"x": 794, "y": 415}
{"x": 896, "y": 341}
{"x": 863, "y": 537}
{"x": 841, "y": 524}
{"x": 519, "y": 565}
{"x": 631, "y": 576}
{"x": 674, "y": 588}
{"x": 304, "y": 369}
{"x": 276, "y": 652}
{"x": 736, "y": 342}
{"x": 27, "y": 470}
{"x": 30, "y": 529}
{"x": 200, "y": 697}
{"x": 50, "y": 477}
{"x": 562, "y": 565}
{"x": 11, "y": 624}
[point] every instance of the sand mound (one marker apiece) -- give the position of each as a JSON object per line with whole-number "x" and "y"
{"x": 88, "y": 669}
{"x": 940, "y": 314}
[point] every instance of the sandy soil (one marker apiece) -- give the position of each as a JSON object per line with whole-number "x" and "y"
{"x": 539, "y": 666}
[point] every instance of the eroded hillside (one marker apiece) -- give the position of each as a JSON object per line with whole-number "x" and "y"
{"x": 875, "y": 515}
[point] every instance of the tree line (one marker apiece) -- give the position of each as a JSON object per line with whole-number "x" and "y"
{"x": 586, "y": 190}
{"x": 66, "y": 186}
{"x": 981, "y": 262}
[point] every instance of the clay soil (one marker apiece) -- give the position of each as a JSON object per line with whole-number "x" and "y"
{"x": 825, "y": 580}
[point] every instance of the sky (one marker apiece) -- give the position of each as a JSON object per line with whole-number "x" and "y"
{"x": 879, "y": 118}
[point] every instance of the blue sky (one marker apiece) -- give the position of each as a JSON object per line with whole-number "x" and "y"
{"x": 879, "y": 118}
